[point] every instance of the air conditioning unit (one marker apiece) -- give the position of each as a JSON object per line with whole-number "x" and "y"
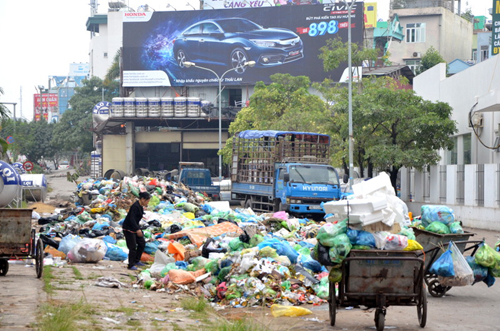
{"x": 417, "y": 54}
{"x": 477, "y": 120}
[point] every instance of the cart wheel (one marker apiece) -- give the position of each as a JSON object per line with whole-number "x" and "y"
{"x": 380, "y": 319}
{"x": 39, "y": 258}
{"x": 436, "y": 289}
{"x": 4, "y": 267}
{"x": 332, "y": 303}
{"x": 422, "y": 309}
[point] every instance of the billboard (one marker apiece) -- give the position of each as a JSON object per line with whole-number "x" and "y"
{"x": 221, "y": 4}
{"x": 283, "y": 39}
{"x": 79, "y": 69}
{"x": 48, "y": 105}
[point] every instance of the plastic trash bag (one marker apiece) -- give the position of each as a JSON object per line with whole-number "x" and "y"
{"x": 463, "y": 272}
{"x": 115, "y": 253}
{"x": 490, "y": 280}
{"x": 322, "y": 289}
{"x": 87, "y": 250}
{"x": 395, "y": 242}
{"x": 341, "y": 248}
{"x": 321, "y": 254}
{"x": 282, "y": 248}
{"x": 455, "y": 227}
{"x": 290, "y": 311}
{"x": 408, "y": 232}
{"x": 438, "y": 227}
{"x": 362, "y": 238}
{"x": 151, "y": 247}
{"x": 480, "y": 272}
{"x": 68, "y": 242}
{"x": 329, "y": 231}
{"x": 437, "y": 213}
{"x": 413, "y": 245}
{"x": 335, "y": 275}
{"x": 485, "y": 256}
{"x": 307, "y": 262}
{"x": 443, "y": 266}
{"x": 380, "y": 238}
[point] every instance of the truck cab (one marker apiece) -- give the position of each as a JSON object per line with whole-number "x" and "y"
{"x": 198, "y": 178}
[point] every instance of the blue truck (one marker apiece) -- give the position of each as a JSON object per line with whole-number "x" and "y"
{"x": 283, "y": 171}
{"x": 197, "y": 178}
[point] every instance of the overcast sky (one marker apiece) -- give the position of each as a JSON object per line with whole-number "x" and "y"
{"x": 41, "y": 38}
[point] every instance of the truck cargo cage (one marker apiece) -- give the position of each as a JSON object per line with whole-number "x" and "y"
{"x": 255, "y": 153}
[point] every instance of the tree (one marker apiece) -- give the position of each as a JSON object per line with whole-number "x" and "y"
{"x": 4, "y": 112}
{"x": 73, "y": 131}
{"x": 395, "y": 128}
{"x": 285, "y": 104}
{"x": 336, "y": 52}
{"x": 429, "y": 60}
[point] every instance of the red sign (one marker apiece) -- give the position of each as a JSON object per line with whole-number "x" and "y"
{"x": 28, "y": 165}
{"x": 49, "y": 104}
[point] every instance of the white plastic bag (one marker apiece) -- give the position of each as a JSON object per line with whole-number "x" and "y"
{"x": 395, "y": 242}
{"x": 380, "y": 238}
{"x": 463, "y": 272}
{"x": 87, "y": 250}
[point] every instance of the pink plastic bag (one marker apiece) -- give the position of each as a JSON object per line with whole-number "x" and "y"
{"x": 281, "y": 214}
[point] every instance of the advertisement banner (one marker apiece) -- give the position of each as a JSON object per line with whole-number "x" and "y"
{"x": 370, "y": 14}
{"x": 495, "y": 30}
{"x": 285, "y": 39}
{"x": 49, "y": 104}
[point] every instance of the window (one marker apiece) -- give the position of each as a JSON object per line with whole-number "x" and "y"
{"x": 415, "y": 32}
{"x": 413, "y": 65}
{"x": 467, "y": 149}
{"x": 105, "y": 54}
{"x": 474, "y": 55}
{"x": 452, "y": 154}
{"x": 484, "y": 52}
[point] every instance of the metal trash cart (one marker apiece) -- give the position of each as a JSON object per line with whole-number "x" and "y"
{"x": 18, "y": 239}
{"x": 379, "y": 279}
{"x": 432, "y": 242}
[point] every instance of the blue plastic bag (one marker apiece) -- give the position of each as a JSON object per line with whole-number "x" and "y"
{"x": 99, "y": 226}
{"x": 281, "y": 247}
{"x": 362, "y": 238}
{"x": 109, "y": 240}
{"x": 68, "y": 242}
{"x": 437, "y": 213}
{"x": 151, "y": 247}
{"x": 115, "y": 253}
{"x": 443, "y": 266}
{"x": 308, "y": 263}
{"x": 480, "y": 272}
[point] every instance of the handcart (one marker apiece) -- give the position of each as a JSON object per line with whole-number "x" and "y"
{"x": 379, "y": 279}
{"x": 18, "y": 239}
{"x": 432, "y": 243}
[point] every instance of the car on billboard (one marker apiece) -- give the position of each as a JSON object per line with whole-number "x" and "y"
{"x": 233, "y": 41}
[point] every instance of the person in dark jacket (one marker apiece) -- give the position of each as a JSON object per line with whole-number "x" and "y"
{"x": 133, "y": 234}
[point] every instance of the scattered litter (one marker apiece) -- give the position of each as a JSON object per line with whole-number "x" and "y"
{"x": 109, "y": 282}
{"x": 110, "y": 320}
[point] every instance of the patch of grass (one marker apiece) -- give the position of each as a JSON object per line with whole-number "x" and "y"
{"x": 176, "y": 327}
{"x": 47, "y": 277}
{"x": 199, "y": 305}
{"x": 78, "y": 274}
{"x": 239, "y": 325}
{"x": 63, "y": 316}
{"x": 133, "y": 323}
{"x": 93, "y": 276}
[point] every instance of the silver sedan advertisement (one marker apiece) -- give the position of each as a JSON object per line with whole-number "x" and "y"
{"x": 244, "y": 46}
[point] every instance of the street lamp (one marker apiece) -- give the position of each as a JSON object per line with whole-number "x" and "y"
{"x": 250, "y": 64}
{"x": 170, "y": 6}
{"x": 349, "y": 64}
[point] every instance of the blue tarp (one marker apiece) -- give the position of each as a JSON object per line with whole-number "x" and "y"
{"x": 256, "y": 134}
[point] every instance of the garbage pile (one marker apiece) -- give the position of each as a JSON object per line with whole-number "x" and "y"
{"x": 233, "y": 257}
{"x": 438, "y": 219}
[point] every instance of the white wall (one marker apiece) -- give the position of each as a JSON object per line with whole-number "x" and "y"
{"x": 478, "y": 84}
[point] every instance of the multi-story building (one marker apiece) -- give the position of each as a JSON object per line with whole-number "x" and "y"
{"x": 427, "y": 23}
